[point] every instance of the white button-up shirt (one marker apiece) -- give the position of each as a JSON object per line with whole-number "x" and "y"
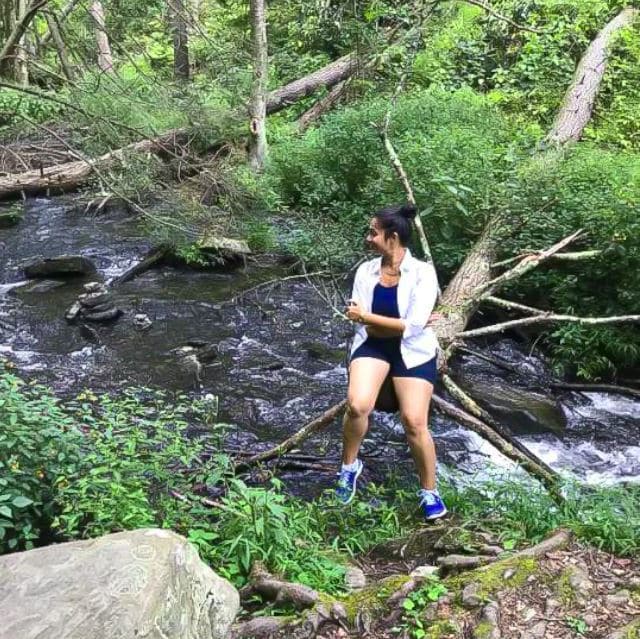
{"x": 417, "y": 294}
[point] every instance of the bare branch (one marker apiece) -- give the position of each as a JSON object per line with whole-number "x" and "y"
{"x": 527, "y": 264}
{"x": 549, "y": 318}
{"x": 577, "y": 256}
{"x": 490, "y": 10}
{"x": 296, "y": 439}
{"x": 507, "y": 448}
{"x": 603, "y": 388}
{"x": 66, "y": 10}
{"x": 512, "y": 306}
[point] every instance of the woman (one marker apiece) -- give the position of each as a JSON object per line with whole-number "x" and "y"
{"x": 393, "y": 296}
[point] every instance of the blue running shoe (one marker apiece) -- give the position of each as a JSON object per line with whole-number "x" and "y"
{"x": 432, "y": 505}
{"x": 347, "y": 481}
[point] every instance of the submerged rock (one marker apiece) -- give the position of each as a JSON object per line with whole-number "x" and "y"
{"x": 144, "y": 583}
{"x": 9, "y": 218}
{"x": 521, "y": 409}
{"x": 62, "y": 265}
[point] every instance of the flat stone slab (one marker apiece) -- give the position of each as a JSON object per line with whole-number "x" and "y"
{"x": 61, "y": 265}
{"x": 146, "y": 583}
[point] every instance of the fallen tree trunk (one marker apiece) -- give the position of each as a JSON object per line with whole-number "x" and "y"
{"x": 580, "y": 98}
{"x": 71, "y": 175}
{"x": 328, "y": 76}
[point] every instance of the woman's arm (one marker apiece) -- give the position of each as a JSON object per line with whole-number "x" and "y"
{"x": 377, "y": 325}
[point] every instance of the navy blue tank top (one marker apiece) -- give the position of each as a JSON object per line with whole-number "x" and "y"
{"x": 385, "y": 301}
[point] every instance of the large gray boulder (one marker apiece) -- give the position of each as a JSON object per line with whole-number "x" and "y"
{"x": 144, "y": 584}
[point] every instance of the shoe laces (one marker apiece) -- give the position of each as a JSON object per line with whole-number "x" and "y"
{"x": 344, "y": 478}
{"x": 427, "y": 497}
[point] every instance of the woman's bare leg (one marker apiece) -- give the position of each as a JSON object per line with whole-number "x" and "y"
{"x": 366, "y": 376}
{"x": 414, "y": 397}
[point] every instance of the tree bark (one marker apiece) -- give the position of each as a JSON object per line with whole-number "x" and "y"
{"x": 105, "y": 59}
{"x": 180, "y": 33}
{"x": 21, "y": 51}
{"x": 328, "y": 76}
{"x": 258, "y": 102}
{"x": 19, "y": 29}
{"x": 577, "y": 107}
{"x": 58, "y": 42}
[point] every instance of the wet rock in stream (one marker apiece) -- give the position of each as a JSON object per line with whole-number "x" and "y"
{"x": 60, "y": 266}
{"x": 96, "y": 304}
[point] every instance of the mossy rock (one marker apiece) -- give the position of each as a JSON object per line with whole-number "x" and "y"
{"x": 372, "y": 599}
{"x": 9, "y": 219}
{"x": 428, "y": 543}
{"x": 491, "y": 579}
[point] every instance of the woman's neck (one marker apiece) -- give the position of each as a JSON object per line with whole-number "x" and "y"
{"x": 393, "y": 259}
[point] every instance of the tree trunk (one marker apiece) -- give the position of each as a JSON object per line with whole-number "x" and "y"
{"x": 328, "y": 76}
{"x": 258, "y": 102}
{"x": 61, "y": 17}
{"x": 21, "y": 25}
{"x": 105, "y": 59}
{"x": 58, "y": 42}
{"x": 22, "y": 54}
{"x": 577, "y": 107}
{"x": 180, "y": 33}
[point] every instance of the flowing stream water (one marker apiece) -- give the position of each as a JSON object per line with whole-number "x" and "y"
{"x": 280, "y": 356}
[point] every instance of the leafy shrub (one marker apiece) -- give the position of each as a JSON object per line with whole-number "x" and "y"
{"x": 14, "y": 104}
{"x": 455, "y": 146}
{"x": 38, "y": 446}
{"x": 598, "y": 191}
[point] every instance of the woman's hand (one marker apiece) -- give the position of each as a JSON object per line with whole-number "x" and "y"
{"x": 354, "y": 311}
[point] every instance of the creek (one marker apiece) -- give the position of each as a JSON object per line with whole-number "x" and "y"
{"x": 280, "y": 356}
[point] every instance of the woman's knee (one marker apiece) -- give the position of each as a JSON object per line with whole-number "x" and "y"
{"x": 414, "y": 425}
{"x": 359, "y": 407}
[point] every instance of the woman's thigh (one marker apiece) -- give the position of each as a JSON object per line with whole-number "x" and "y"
{"x": 414, "y": 397}
{"x": 366, "y": 375}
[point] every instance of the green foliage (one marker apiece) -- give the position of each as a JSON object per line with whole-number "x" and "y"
{"x": 137, "y": 448}
{"x": 15, "y": 105}
{"x": 455, "y": 146}
{"x": 598, "y": 191}
{"x": 607, "y": 517}
{"x": 416, "y": 603}
{"x": 38, "y": 445}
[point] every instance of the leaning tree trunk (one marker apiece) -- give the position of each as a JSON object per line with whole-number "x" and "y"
{"x": 258, "y": 102}
{"x": 105, "y": 59}
{"x": 60, "y": 18}
{"x": 179, "y": 30}
{"x": 61, "y": 49}
{"x": 580, "y": 98}
{"x": 20, "y": 28}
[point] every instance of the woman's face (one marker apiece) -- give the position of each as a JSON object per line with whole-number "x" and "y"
{"x": 376, "y": 240}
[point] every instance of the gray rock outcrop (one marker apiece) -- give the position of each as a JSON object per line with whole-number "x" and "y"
{"x": 146, "y": 583}
{"x": 60, "y": 266}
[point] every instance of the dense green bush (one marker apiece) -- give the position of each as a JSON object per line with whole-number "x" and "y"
{"x": 598, "y": 191}
{"x": 456, "y": 148}
{"x": 38, "y": 445}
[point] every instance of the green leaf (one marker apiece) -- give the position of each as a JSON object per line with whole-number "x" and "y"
{"x": 5, "y": 511}
{"x": 22, "y": 502}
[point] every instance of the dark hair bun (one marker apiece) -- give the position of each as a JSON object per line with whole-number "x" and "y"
{"x": 408, "y": 211}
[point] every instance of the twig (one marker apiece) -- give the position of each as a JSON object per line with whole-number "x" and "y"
{"x": 274, "y": 281}
{"x": 548, "y": 318}
{"x": 509, "y": 305}
{"x": 576, "y": 256}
